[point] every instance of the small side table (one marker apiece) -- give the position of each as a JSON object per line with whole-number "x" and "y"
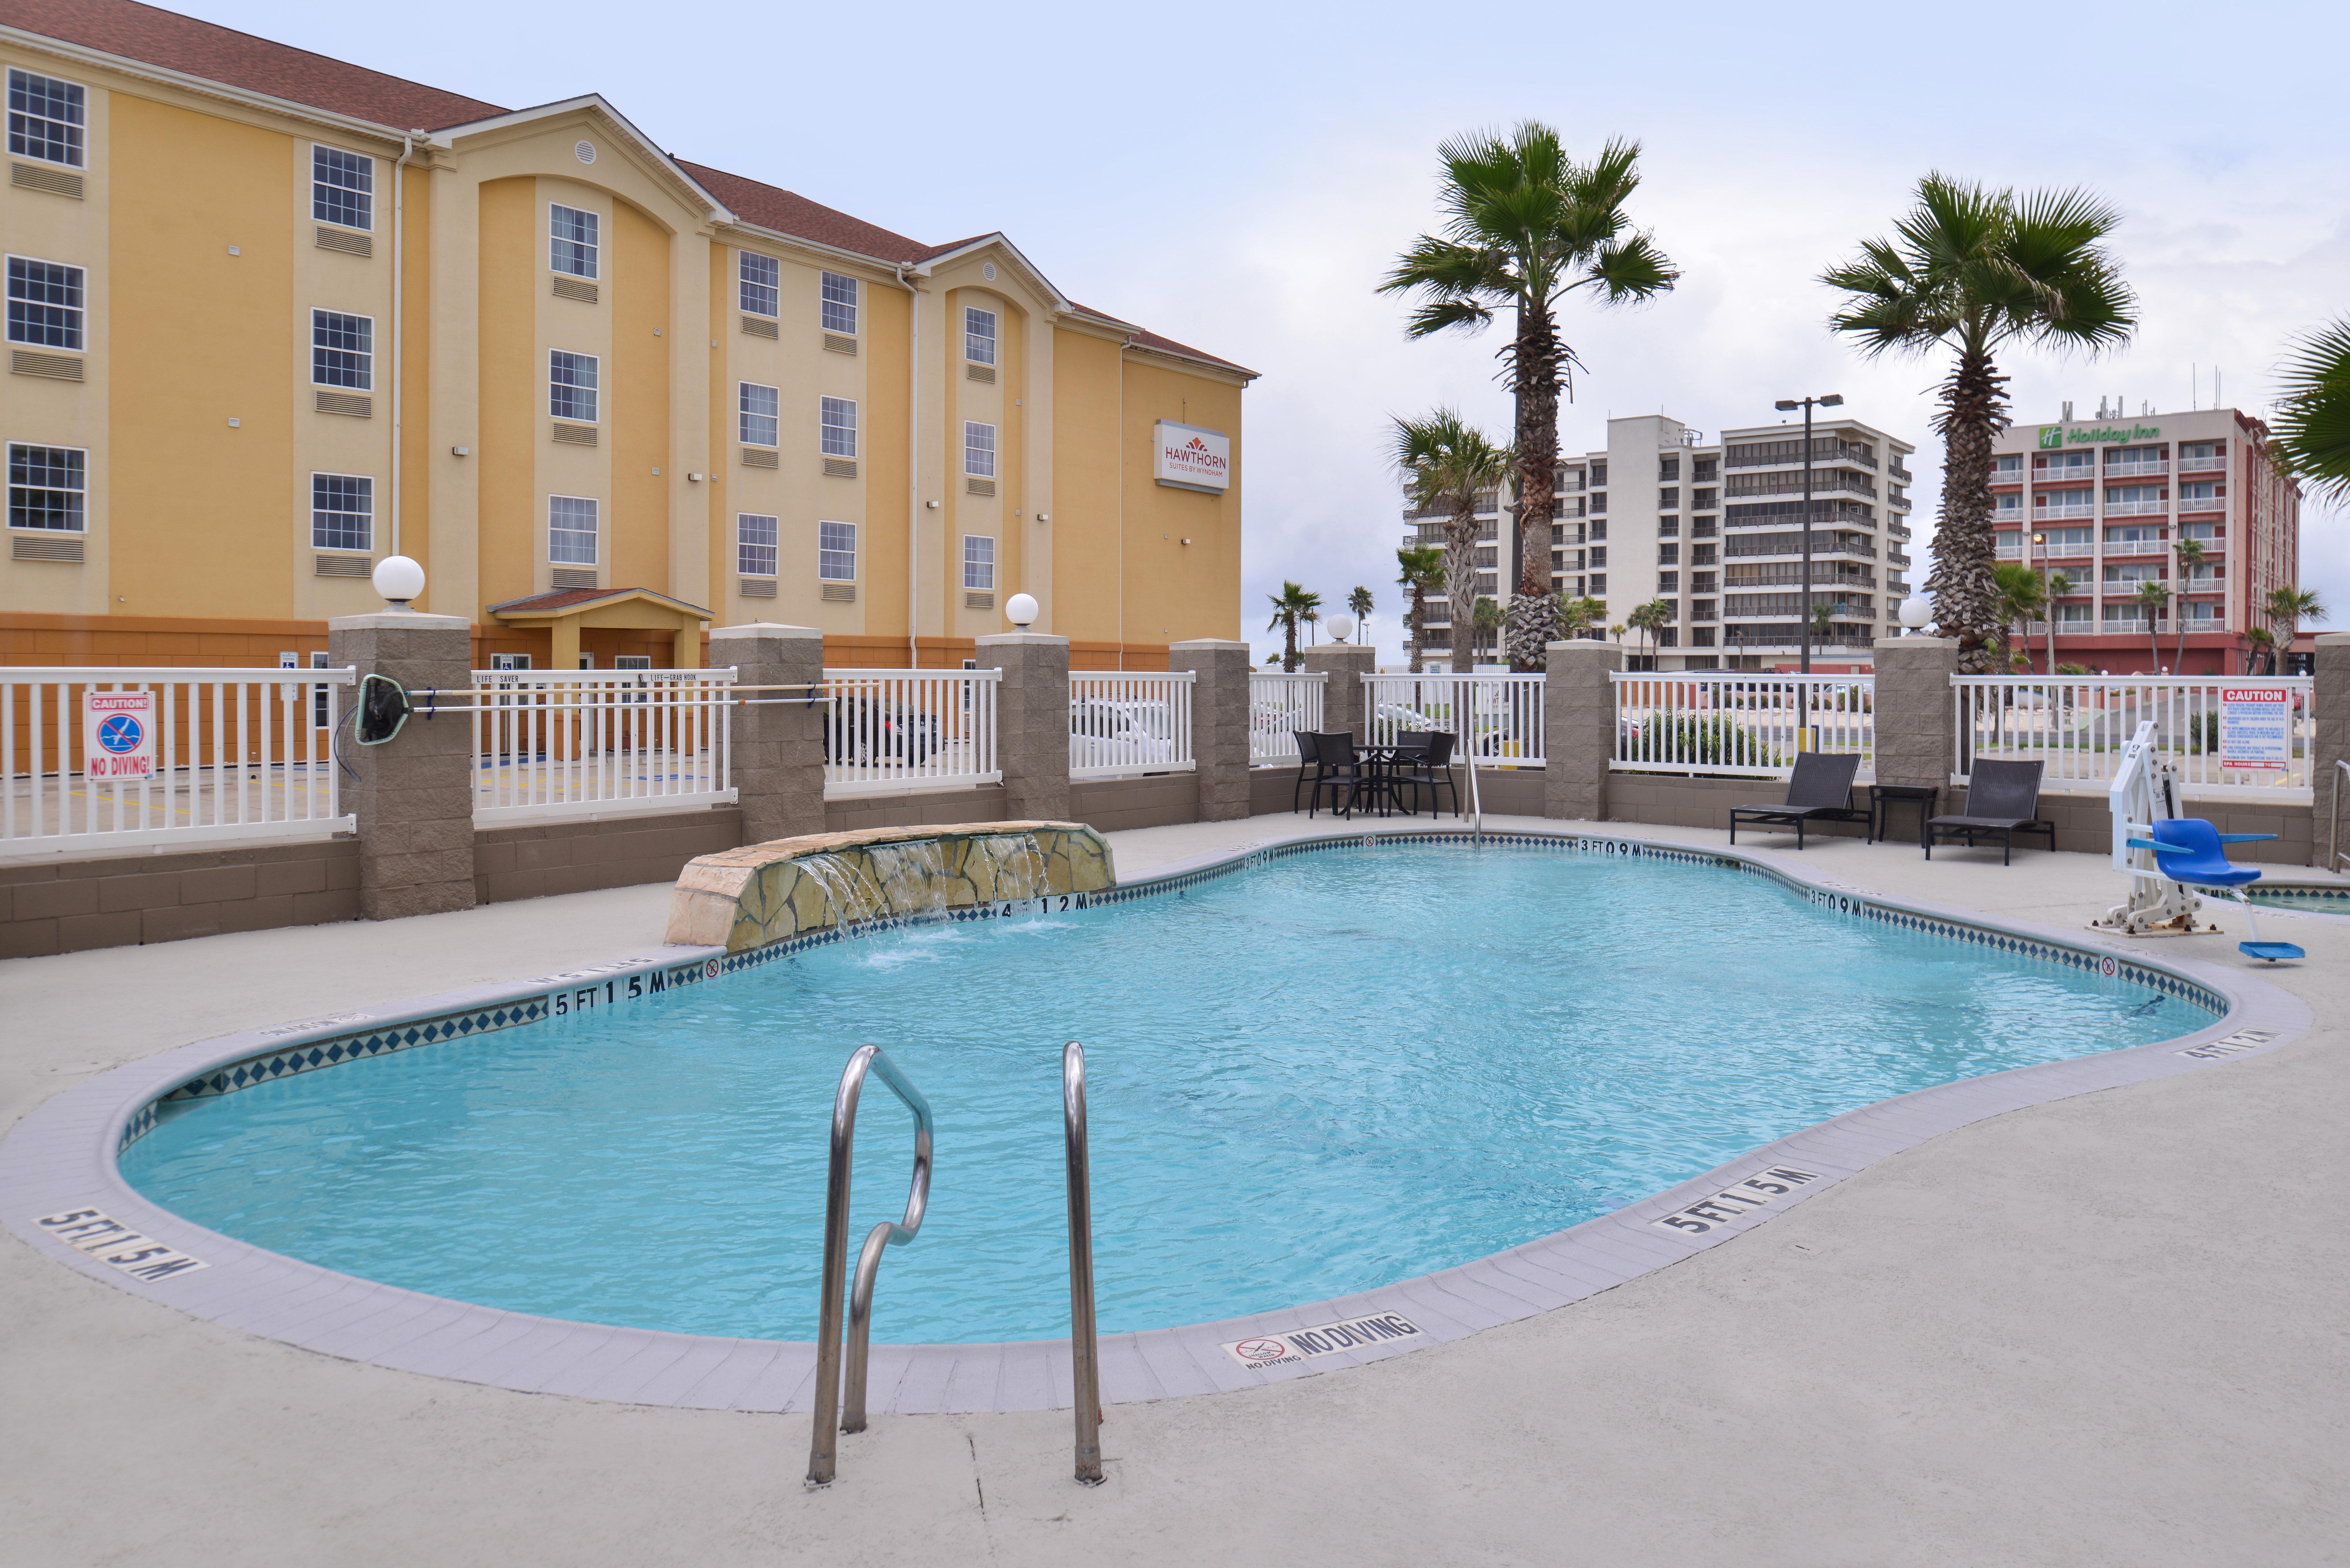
{"x": 1881, "y": 796}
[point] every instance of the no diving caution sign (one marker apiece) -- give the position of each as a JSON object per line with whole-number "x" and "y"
{"x": 118, "y": 734}
{"x": 1300, "y": 1344}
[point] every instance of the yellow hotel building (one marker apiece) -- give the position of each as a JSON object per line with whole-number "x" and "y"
{"x": 273, "y": 317}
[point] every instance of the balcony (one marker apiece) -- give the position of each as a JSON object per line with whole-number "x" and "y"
{"x": 1900, "y": 474}
{"x": 1898, "y": 503}
{"x": 2081, "y": 508}
{"x": 2067, "y": 552}
{"x": 2156, "y": 465}
{"x": 2137, "y": 508}
{"x": 2202, "y": 465}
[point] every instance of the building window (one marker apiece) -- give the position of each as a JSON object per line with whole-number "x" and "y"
{"x": 571, "y": 530}
{"x": 1669, "y": 637}
{"x": 342, "y": 350}
{"x": 510, "y": 662}
{"x": 979, "y": 335}
{"x": 571, "y": 386}
{"x": 1599, "y": 555}
{"x": 342, "y": 188}
{"x": 44, "y": 117}
{"x": 2010, "y": 467}
{"x": 1600, "y": 585}
{"x": 342, "y": 512}
{"x": 572, "y": 246}
{"x": 2204, "y": 531}
{"x": 1598, "y": 501}
{"x": 44, "y": 303}
{"x": 840, "y": 425}
{"x": 1669, "y": 582}
{"x": 978, "y": 450}
{"x": 760, "y": 407}
{"x": 1668, "y": 498}
{"x": 1669, "y": 554}
{"x": 839, "y": 304}
{"x": 1599, "y": 476}
{"x": 763, "y": 285}
{"x": 2201, "y": 490}
{"x": 2009, "y": 502}
{"x": 979, "y": 561}
{"x": 2134, "y": 572}
{"x": 835, "y": 552}
{"x": 754, "y": 545}
{"x": 46, "y": 485}
{"x": 2134, "y": 536}
{"x": 1669, "y": 468}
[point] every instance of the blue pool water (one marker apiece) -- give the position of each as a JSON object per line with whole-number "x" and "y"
{"x": 1325, "y": 1074}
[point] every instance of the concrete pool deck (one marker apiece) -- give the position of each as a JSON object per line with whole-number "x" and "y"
{"x": 2103, "y": 1330}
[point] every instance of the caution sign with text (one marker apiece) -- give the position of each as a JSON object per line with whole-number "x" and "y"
{"x": 118, "y": 734}
{"x": 2256, "y": 728}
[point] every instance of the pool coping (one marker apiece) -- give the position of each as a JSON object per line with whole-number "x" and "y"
{"x": 60, "y": 1158}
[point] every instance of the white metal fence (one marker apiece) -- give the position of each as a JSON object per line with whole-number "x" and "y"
{"x": 1500, "y": 716}
{"x": 551, "y": 743}
{"x": 891, "y": 729}
{"x": 1280, "y": 706}
{"x": 2078, "y": 724}
{"x": 1129, "y": 721}
{"x": 184, "y": 757}
{"x": 1709, "y": 721}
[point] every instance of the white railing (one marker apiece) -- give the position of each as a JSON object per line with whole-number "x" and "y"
{"x": 1708, "y": 722}
{"x": 1129, "y": 721}
{"x": 2079, "y": 725}
{"x": 1502, "y": 713}
{"x": 2202, "y": 464}
{"x": 887, "y": 730}
{"x": 1280, "y": 706}
{"x": 554, "y": 743}
{"x": 2144, "y": 465}
{"x": 2069, "y": 509}
{"x": 2136, "y": 508}
{"x": 186, "y": 756}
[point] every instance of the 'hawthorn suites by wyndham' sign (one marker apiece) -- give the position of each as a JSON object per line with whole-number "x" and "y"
{"x": 2091, "y": 435}
{"x": 1191, "y": 458}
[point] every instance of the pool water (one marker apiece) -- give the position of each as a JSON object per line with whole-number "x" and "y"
{"x": 2327, "y": 901}
{"x": 1328, "y": 1072}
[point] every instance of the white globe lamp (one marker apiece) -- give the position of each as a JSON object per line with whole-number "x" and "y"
{"x": 1342, "y": 627}
{"x": 398, "y": 580}
{"x": 1020, "y": 610}
{"x": 1914, "y": 612}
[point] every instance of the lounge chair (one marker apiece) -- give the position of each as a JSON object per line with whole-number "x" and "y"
{"x": 1432, "y": 771}
{"x": 2001, "y": 798}
{"x": 1340, "y": 770}
{"x": 1309, "y": 764}
{"x": 1820, "y": 790}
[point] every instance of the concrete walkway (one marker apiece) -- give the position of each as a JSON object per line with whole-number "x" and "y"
{"x": 2106, "y": 1330}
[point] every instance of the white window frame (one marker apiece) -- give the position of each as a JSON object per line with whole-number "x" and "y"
{"x": 10, "y": 457}
{"x": 510, "y": 662}
{"x": 80, "y": 312}
{"x": 824, "y": 574}
{"x": 368, "y": 194}
{"x": 848, "y": 309}
{"x": 828, "y": 432}
{"x": 2189, "y": 490}
{"x": 368, "y": 371}
{"x": 369, "y": 480}
{"x": 774, "y": 546}
{"x": 979, "y": 348}
{"x": 595, "y": 533}
{"x": 632, "y": 661}
{"x": 982, "y": 453}
{"x": 979, "y": 564}
{"x": 595, "y": 246}
{"x": 743, "y": 414}
{"x": 744, "y": 284}
{"x": 81, "y": 129}
{"x": 595, "y": 392}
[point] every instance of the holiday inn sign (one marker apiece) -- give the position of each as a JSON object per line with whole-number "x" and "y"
{"x": 2051, "y": 436}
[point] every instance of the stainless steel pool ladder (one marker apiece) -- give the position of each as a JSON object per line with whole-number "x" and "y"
{"x": 831, "y": 1417}
{"x": 1085, "y": 1361}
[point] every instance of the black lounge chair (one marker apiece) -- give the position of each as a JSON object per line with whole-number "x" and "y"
{"x": 1819, "y": 791}
{"x": 2001, "y": 798}
{"x": 1342, "y": 770}
{"x": 1431, "y": 770}
{"x": 1309, "y": 764}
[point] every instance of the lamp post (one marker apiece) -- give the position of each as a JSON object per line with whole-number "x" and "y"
{"x": 2047, "y": 608}
{"x": 1788, "y": 405}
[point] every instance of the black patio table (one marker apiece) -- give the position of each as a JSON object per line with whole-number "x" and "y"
{"x": 1383, "y": 762}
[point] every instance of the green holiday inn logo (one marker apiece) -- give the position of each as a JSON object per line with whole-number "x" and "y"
{"x": 2054, "y": 436}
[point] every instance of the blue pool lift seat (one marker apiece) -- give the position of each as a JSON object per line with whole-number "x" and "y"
{"x": 2188, "y": 849}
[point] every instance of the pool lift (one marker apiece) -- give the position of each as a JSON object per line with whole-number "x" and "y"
{"x": 2169, "y": 856}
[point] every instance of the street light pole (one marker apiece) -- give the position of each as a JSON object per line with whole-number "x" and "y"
{"x": 1831, "y": 401}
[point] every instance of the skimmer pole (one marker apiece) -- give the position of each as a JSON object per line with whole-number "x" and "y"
{"x": 1084, "y": 1362}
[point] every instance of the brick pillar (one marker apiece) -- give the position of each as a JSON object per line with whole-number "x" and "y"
{"x": 414, "y": 793}
{"x": 1220, "y": 722}
{"x": 1578, "y": 728}
{"x": 1916, "y": 743}
{"x": 1032, "y": 722}
{"x": 1345, "y": 664}
{"x": 2329, "y": 744}
{"x": 778, "y": 744}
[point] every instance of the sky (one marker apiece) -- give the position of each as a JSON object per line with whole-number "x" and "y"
{"x": 1239, "y": 177}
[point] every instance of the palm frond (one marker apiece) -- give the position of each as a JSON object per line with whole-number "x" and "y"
{"x": 2312, "y": 424}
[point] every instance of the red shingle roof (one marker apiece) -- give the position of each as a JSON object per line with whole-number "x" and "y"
{"x": 158, "y": 38}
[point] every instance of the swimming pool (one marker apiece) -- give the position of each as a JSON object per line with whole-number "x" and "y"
{"x": 1312, "y": 1077}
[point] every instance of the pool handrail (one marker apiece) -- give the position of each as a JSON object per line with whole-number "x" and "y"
{"x": 824, "y": 1446}
{"x": 2334, "y": 855}
{"x": 1085, "y": 1357}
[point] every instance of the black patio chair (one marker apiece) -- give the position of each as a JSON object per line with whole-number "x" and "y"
{"x": 1820, "y": 790}
{"x": 1309, "y": 764}
{"x": 2001, "y": 798}
{"x": 1340, "y": 770}
{"x": 1432, "y": 771}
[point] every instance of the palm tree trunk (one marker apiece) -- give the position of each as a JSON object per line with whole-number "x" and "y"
{"x": 1418, "y": 615}
{"x": 1460, "y": 581}
{"x": 1964, "y": 586}
{"x": 1289, "y": 645}
{"x": 1535, "y": 357}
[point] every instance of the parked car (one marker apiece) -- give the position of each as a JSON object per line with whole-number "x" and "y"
{"x": 863, "y": 731}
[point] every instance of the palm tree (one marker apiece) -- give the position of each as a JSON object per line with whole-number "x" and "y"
{"x": 1446, "y": 462}
{"x": 2288, "y": 608}
{"x": 1649, "y": 619}
{"x": 2021, "y": 595}
{"x": 1978, "y": 269}
{"x": 1359, "y": 602}
{"x": 2151, "y": 598}
{"x": 1486, "y": 621}
{"x": 1292, "y": 605}
{"x": 2312, "y": 427}
{"x": 2190, "y": 555}
{"x": 1525, "y": 226}
{"x": 1577, "y": 616}
{"x": 2261, "y": 649}
{"x": 1423, "y": 568}
{"x": 2059, "y": 585}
